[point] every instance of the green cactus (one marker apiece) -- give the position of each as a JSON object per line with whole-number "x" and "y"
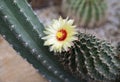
{"x": 23, "y": 31}
{"x": 118, "y": 48}
{"x": 87, "y": 13}
{"x": 91, "y": 58}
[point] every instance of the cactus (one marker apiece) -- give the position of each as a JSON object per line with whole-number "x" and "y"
{"x": 118, "y": 49}
{"x": 87, "y": 13}
{"x": 91, "y": 58}
{"x": 22, "y": 29}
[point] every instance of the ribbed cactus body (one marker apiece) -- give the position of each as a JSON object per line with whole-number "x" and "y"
{"x": 87, "y": 13}
{"x": 22, "y": 29}
{"x": 91, "y": 58}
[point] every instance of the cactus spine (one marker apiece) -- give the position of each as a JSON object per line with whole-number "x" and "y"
{"x": 91, "y": 58}
{"x": 22, "y": 29}
{"x": 87, "y": 13}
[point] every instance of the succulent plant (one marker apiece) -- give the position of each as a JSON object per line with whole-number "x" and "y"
{"x": 118, "y": 48}
{"x": 88, "y": 57}
{"x": 22, "y": 29}
{"x": 91, "y": 58}
{"x": 87, "y": 13}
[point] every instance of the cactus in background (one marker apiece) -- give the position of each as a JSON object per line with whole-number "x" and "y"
{"x": 91, "y": 58}
{"x": 87, "y": 13}
{"x": 23, "y": 31}
{"x": 88, "y": 57}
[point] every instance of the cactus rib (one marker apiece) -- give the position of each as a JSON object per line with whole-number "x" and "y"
{"x": 87, "y": 13}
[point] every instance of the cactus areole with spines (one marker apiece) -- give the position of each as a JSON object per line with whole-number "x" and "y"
{"x": 76, "y": 57}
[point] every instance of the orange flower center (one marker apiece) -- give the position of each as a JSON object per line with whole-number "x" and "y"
{"x": 61, "y": 35}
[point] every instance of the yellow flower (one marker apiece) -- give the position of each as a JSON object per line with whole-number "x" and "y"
{"x": 60, "y": 35}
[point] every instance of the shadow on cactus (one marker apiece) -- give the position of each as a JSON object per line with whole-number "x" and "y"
{"x": 75, "y": 57}
{"x": 87, "y": 13}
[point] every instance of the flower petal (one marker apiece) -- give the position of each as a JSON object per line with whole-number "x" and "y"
{"x": 51, "y": 40}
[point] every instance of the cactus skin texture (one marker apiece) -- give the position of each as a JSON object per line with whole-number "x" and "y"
{"x": 22, "y": 29}
{"x": 91, "y": 58}
{"x": 118, "y": 49}
{"x": 87, "y": 13}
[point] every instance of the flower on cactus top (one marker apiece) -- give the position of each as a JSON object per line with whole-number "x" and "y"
{"x": 60, "y": 35}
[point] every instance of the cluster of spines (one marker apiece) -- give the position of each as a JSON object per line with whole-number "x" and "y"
{"x": 91, "y": 58}
{"x": 118, "y": 49}
{"x": 87, "y": 13}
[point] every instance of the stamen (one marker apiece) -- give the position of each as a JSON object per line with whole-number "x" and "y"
{"x": 61, "y": 35}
